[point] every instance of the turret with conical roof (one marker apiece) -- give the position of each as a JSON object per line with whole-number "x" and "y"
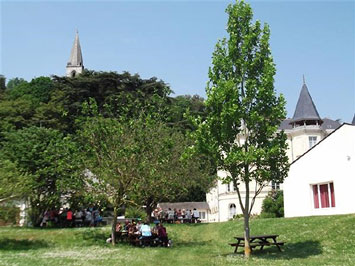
{"x": 75, "y": 65}
{"x": 306, "y": 112}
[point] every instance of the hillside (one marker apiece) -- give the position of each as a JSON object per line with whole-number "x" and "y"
{"x": 328, "y": 240}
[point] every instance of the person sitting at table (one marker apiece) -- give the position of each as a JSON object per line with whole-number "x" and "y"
{"x": 170, "y": 215}
{"x": 146, "y": 233}
{"x": 179, "y": 214}
{"x": 162, "y": 235}
{"x": 127, "y": 225}
{"x": 118, "y": 231}
{"x": 188, "y": 215}
{"x": 155, "y": 230}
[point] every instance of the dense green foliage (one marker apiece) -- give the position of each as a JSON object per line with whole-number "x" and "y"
{"x": 136, "y": 212}
{"x": 45, "y": 159}
{"x": 273, "y": 205}
{"x": 324, "y": 240}
{"x": 46, "y": 125}
{"x": 9, "y": 214}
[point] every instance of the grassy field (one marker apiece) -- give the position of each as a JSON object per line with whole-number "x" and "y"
{"x": 328, "y": 240}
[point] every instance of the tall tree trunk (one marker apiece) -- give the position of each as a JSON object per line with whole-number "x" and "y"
{"x": 149, "y": 210}
{"x": 247, "y": 250}
{"x": 114, "y": 222}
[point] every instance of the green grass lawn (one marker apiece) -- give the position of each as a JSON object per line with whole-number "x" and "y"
{"x": 328, "y": 240}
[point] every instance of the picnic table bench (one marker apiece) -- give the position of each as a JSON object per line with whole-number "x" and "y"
{"x": 257, "y": 241}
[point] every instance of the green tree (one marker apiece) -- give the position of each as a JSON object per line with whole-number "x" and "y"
{"x": 2, "y": 83}
{"x": 273, "y": 205}
{"x": 163, "y": 174}
{"x": 14, "y": 82}
{"x": 46, "y": 162}
{"x": 243, "y": 111}
{"x": 111, "y": 160}
{"x": 13, "y": 184}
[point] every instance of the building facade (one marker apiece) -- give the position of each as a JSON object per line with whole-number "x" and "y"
{"x": 321, "y": 181}
{"x": 304, "y": 130}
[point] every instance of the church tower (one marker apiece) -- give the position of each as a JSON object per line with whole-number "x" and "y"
{"x": 75, "y": 65}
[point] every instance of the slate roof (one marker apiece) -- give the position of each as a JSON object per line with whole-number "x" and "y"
{"x": 76, "y": 58}
{"x": 286, "y": 124}
{"x": 305, "y": 108}
{"x": 184, "y": 205}
{"x": 329, "y": 124}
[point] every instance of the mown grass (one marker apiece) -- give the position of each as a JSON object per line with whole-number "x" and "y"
{"x": 328, "y": 240}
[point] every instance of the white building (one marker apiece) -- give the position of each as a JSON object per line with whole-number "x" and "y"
{"x": 322, "y": 181}
{"x": 303, "y": 131}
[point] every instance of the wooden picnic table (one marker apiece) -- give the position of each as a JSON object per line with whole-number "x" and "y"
{"x": 257, "y": 241}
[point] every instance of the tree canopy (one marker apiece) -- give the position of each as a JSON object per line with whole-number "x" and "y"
{"x": 47, "y": 117}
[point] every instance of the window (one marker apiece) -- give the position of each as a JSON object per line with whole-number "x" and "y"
{"x": 312, "y": 141}
{"x": 232, "y": 210}
{"x": 228, "y": 187}
{"x": 323, "y": 195}
{"x": 275, "y": 185}
{"x": 202, "y": 215}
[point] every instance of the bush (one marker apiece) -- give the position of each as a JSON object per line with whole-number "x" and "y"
{"x": 273, "y": 205}
{"x": 134, "y": 212}
{"x": 9, "y": 214}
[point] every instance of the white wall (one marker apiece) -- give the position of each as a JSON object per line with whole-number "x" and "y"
{"x": 332, "y": 160}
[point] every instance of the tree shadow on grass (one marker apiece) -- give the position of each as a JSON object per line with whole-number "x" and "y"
{"x": 191, "y": 243}
{"x": 194, "y": 224}
{"x": 8, "y": 244}
{"x": 302, "y": 249}
{"x": 93, "y": 236}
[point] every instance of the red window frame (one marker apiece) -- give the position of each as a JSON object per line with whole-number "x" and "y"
{"x": 323, "y": 195}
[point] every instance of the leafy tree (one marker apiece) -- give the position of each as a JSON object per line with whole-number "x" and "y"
{"x": 46, "y": 162}
{"x": 273, "y": 205}
{"x": 12, "y": 182}
{"x": 112, "y": 160}
{"x": 14, "y": 82}
{"x": 243, "y": 111}
{"x": 22, "y": 105}
{"x": 2, "y": 83}
{"x": 179, "y": 105}
{"x": 137, "y": 161}
{"x": 163, "y": 174}
{"x": 126, "y": 95}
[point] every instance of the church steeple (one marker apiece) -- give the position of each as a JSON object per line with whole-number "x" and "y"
{"x": 306, "y": 112}
{"x": 75, "y": 65}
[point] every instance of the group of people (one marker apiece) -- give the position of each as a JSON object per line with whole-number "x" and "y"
{"x": 142, "y": 234}
{"x": 66, "y": 217}
{"x": 180, "y": 215}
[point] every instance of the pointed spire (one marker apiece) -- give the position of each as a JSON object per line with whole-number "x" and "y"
{"x": 305, "y": 108}
{"x": 353, "y": 122}
{"x": 76, "y": 58}
{"x": 304, "y": 81}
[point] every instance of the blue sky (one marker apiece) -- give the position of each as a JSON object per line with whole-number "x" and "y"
{"x": 174, "y": 40}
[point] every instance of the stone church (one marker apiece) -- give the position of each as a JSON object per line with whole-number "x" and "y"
{"x": 75, "y": 64}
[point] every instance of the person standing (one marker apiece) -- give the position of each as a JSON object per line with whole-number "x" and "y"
{"x": 195, "y": 215}
{"x": 69, "y": 218}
